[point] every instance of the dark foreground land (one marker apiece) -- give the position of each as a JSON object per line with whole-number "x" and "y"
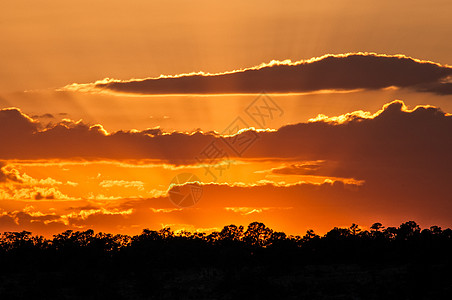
{"x": 256, "y": 263}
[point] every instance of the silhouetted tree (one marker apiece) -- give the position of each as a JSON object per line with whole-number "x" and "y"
{"x": 376, "y": 227}
{"x": 310, "y": 235}
{"x": 231, "y": 233}
{"x": 390, "y": 232}
{"x": 408, "y": 230}
{"x": 354, "y": 229}
{"x": 257, "y": 234}
{"x": 435, "y": 230}
{"x": 338, "y": 233}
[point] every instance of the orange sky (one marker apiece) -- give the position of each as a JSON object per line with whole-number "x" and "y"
{"x": 378, "y": 160}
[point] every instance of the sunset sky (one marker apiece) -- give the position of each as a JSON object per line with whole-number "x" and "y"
{"x": 298, "y": 114}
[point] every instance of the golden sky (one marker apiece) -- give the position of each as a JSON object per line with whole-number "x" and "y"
{"x": 299, "y": 114}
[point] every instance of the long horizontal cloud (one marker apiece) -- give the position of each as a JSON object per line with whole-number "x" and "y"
{"x": 330, "y": 72}
{"x": 392, "y": 133}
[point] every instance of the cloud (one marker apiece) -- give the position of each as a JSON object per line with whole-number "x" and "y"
{"x": 17, "y": 123}
{"x": 122, "y": 183}
{"x": 8, "y": 175}
{"x": 27, "y": 193}
{"x": 342, "y": 72}
{"x": 252, "y": 210}
{"x": 22, "y": 139}
{"x": 39, "y": 196}
{"x": 394, "y": 134}
{"x": 298, "y": 169}
{"x": 44, "y": 116}
{"x": 164, "y": 210}
{"x": 22, "y": 187}
{"x": 32, "y": 218}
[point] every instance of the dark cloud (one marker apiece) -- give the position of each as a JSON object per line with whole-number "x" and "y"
{"x": 297, "y": 169}
{"x": 438, "y": 88}
{"x": 331, "y": 72}
{"x": 44, "y": 116}
{"x": 393, "y": 134}
{"x": 13, "y": 122}
{"x": 40, "y": 196}
{"x": 22, "y": 138}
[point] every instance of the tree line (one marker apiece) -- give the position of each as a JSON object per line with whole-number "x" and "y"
{"x": 255, "y": 262}
{"x": 256, "y": 237}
